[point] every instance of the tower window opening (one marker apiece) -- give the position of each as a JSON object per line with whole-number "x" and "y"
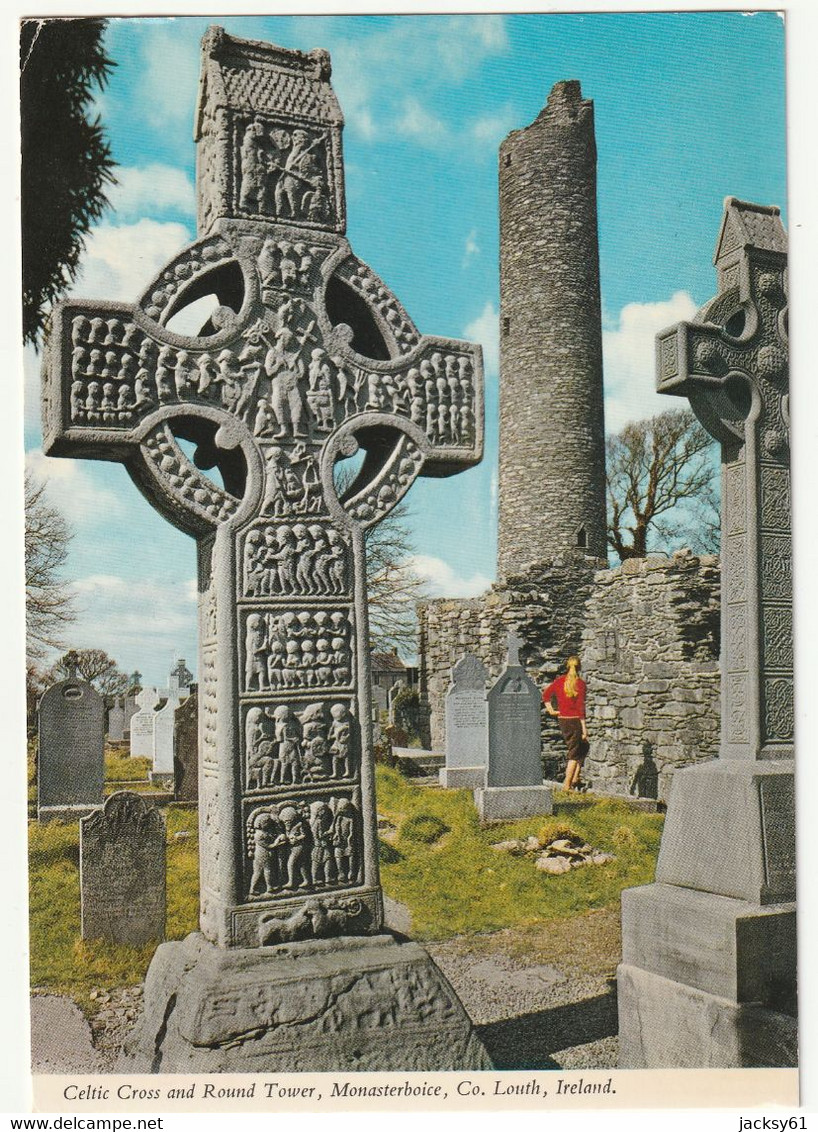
{"x": 582, "y": 538}
{"x": 506, "y": 326}
{"x": 506, "y": 159}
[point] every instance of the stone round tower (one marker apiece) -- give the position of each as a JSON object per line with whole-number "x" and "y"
{"x": 552, "y": 431}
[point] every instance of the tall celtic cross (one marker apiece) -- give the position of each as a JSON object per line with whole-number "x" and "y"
{"x": 305, "y": 357}
{"x": 732, "y": 363}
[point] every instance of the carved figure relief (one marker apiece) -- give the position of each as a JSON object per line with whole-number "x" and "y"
{"x": 281, "y": 559}
{"x": 297, "y": 650}
{"x": 283, "y": 172}
{"x": 300, "y": 845}
{"x": 285, "y": 746}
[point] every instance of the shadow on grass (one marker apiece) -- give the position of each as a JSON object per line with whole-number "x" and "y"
{"x": 528, "y": 1042}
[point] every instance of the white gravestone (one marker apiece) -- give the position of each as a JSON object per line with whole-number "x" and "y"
{"x": 116, "y": 721}
{"x": 467, "y": 727}
{"x": 142, "y": 722}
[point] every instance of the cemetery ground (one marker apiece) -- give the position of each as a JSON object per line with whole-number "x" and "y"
{"x": 532, "y": 956}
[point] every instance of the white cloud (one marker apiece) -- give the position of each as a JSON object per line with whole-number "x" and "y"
{"x": 485, "y": 329}
{"x": 492, "y": 128}
{"x": 151, "y": 190}
{"x": 120, "y": 260}
{"x": 629, "y": 353}
{"x": 374, "y": 77}
{"x": 112, "y": 616}
{"x": 471, "y": 248}
{"x": 442, "y": 581}
{"x": 417, "y": 122}
{"x": 71, "y": 488}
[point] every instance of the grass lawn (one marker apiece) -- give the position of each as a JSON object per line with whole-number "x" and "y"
{"x": 436, "y": 859}
{"x": 63, "y": 962}
{"x": 440, "y": 862}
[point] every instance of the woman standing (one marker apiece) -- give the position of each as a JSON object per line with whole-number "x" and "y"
{"x": 569, "y": 690}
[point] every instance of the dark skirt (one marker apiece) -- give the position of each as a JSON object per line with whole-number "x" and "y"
{"x": 572, "y": 734}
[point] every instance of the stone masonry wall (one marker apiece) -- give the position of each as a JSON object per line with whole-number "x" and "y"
{"x": 650, "y": 652}
{"x": 552, "y": 454}
{"x": 544, "y": 605}
{"x": 648, "y": 635}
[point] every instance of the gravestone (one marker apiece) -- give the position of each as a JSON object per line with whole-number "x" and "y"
{"x": 122, "y": 871}
{"x": 186, "y": 751}
{"x": 307, "y": 359}
{"x": 467, "y": 727}
{"x": 391, "y": 695}
{"x": 71, "y": 750}
{"x": 514, "y": 785}
{"x": 142, "y": 722}
{"x": 708, "y": 952}
{"x": 164, "y": 722}
{"x": 131, "y": 707}
{"x": 116, "y": 721}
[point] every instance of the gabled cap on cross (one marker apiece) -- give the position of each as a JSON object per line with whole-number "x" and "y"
{"x": 737, "y": 343}
{"x": 249, "y": 94}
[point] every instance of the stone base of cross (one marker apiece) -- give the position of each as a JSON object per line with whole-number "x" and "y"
{"x": 302, "y": 359}
{"x": 708, "y": 973}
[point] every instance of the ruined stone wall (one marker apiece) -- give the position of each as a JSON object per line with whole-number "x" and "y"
{"x": 650, "y": 652}
{"x": 545, "y": 605}
{"x": 648, "y": 635}
{"x": 552, "y": 454}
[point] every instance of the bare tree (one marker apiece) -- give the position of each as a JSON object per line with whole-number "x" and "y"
{"x": 49, "y": 603}
{"x": 393, "y": 587}
{"x": 95, "y": 666}
{"x": 662, "y": 486}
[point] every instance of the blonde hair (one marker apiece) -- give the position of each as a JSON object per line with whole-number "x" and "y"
{"x": 572, "y": 667}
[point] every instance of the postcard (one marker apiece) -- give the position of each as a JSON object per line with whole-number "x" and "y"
{"x": 409, "y": 574}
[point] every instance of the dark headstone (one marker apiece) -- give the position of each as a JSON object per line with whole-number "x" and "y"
{"x": 71, "y": 758}
{"x": 122, "y": 871}
{"x": 186, "y": 751}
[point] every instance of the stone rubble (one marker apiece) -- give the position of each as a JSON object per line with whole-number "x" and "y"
{"x": 557, "y": 855}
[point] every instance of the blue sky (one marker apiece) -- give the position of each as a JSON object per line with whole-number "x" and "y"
{"x": 689, "y": 109}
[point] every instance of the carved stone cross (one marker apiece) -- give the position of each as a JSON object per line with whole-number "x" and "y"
{"x": 304, "y": 358}
{"x": 732, "y": 363}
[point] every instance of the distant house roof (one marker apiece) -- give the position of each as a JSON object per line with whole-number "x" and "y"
{"x": 387, "y": 662}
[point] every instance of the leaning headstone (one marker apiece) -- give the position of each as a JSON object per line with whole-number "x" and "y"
{"x": 514, "y": 786}
{"x": 708, "y": 972}
{"x": 142, "y": 722}
{"x": 71, "y": 750}
{"x": 467, "y": 727}
{"x": 186, "y": 751}
{"x": 391, "y": 695}
{"x": 309, "y": 356}
{"x": 116, "y": 721}
{"x": 122, "y": 871}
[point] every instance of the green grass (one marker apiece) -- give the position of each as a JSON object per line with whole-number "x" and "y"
{"x": 437, "y": 860}
{"x": 66, "y": 964}
{"x": 457, "y": 884}
{"x": 119, "y": 768}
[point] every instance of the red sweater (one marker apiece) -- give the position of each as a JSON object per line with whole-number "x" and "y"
{"x": 570, "y": 707}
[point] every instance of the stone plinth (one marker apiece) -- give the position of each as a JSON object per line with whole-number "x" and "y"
{"x": 462, "y": 777}
{"x": 507, "y": 803}
{"x": 349, "y": 1003}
